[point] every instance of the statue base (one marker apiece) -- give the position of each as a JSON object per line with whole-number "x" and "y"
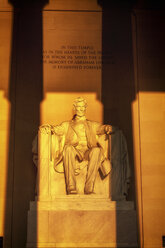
{"x": 81, "y": 221}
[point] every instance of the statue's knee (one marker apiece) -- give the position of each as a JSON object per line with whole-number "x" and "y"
{"x": 95, "y": 151}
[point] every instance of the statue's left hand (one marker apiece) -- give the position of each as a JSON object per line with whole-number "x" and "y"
{"x": 108, "y": 129}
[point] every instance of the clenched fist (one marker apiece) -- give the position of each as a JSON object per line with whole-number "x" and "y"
{"x": 108, "y": 129}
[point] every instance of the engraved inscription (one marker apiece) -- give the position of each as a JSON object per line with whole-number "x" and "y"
{"x": 77, "y": 57}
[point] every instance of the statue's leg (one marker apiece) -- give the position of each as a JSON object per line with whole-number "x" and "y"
{"x": 69, "y": 168}
{"x": 93, "y": 166}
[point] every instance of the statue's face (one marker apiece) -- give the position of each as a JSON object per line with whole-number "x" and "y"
{"x": 80, "y": 109}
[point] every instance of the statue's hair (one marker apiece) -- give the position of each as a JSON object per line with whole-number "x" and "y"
{"x": 79, "y": 99}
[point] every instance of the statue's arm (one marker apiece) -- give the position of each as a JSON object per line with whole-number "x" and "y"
{"x": 61, "y": 129}
{"x": 103, "y": 129}
{"x": 58, "y": 129}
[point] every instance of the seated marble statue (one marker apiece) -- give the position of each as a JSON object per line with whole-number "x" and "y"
{"x": 81, "y": 143}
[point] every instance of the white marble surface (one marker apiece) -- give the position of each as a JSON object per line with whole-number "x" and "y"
{"x": 81, "y": 202}
{"x": 81, "y": 221}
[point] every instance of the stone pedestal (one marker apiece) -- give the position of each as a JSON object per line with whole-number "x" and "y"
{"x": 81, "y": 221}
{"x": 59, "y": 220}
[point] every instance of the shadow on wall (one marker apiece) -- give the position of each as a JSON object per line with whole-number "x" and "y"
{"x": 118, "y": 77}
{"x": 118, "y": 93}
{"x": 25, "y": 95}
{"x": 118, "y": 90}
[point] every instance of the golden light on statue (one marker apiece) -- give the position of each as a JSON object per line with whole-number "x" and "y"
{"x": 60, "y": 107}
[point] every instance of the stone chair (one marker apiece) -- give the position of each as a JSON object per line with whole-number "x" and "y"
{"x": 51, "y": 179}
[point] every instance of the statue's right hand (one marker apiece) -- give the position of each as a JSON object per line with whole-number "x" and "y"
{"x": 46, "y": 128}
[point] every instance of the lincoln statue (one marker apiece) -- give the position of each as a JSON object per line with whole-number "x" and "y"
{"x": 80, "y": 142}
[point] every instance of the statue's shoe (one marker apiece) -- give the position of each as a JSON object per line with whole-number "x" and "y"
{"x": 71, "y": 190}
{"x": 89, "y": 189}
{"x": 89, "y": 192}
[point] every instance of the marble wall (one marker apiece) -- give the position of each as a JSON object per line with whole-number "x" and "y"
{"x": 50, "y": 55}
{"x": 150, "y": 104}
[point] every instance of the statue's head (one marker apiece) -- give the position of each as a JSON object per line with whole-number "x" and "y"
{"x": 80, "y": 106}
